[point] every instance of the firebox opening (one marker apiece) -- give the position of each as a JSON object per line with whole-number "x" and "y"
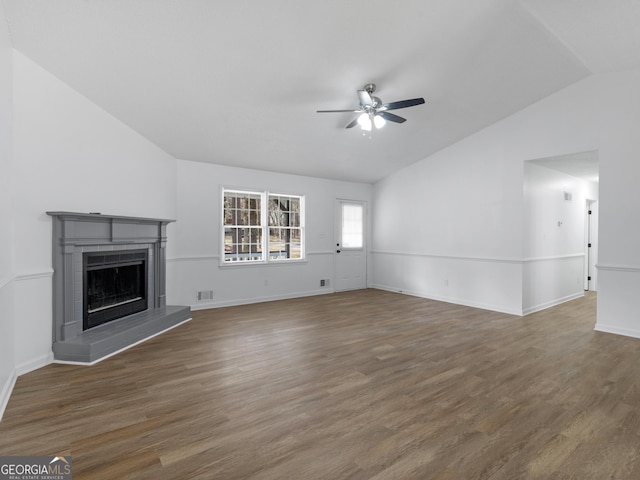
{"x": 114, "y": 284}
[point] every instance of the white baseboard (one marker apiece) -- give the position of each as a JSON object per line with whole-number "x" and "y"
{"x": 455, "y": 301}
{"x": 6, "y": 391}
{"x": 246, "y": 301}
{"x": 552, "y": 303}
{"x": 25, "y": 367}
{"x": 627, "y": 332}
{"x": 34, "y": 364}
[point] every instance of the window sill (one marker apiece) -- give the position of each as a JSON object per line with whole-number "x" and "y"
{"x": 272, "y": 263}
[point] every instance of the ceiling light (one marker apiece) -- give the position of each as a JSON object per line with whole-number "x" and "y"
{"x": 365, "y": 122}
{"x": 378, "y": 121}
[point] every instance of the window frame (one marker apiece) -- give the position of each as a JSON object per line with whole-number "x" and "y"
{"x": 265, "y": 244}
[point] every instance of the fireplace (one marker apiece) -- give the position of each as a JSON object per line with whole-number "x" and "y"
{"x": 114, "y": 286}
{"x": 108, "y": 285}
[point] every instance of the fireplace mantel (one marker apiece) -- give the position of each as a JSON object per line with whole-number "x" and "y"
{"x": 77, "y": 233}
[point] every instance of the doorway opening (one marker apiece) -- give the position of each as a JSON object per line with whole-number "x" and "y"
{"x": 560, "y": 238}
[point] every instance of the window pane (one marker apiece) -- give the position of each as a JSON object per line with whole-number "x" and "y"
{"x": 273, "y": 211}
{"x": 352, "y": 226}
{"x": 229, "y": 245}
{"x": 284, "y": 241}
{"x": 256, "y": 236}
{"x": 276, "y": 218}
{"x": 241, "y": 210}
{"x": 296, "y": 250}
{"x": 276, "y": 244}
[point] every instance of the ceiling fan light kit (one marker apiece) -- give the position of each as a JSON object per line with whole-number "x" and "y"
{"x": 373, "y": 112}
{"x": 365, "y": 122}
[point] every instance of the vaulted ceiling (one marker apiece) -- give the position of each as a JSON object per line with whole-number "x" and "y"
{"x": 238, "y": 82}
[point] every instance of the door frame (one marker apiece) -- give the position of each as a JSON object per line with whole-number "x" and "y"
{"x": 591, "y": 245}
{"x": 338, "y": 240}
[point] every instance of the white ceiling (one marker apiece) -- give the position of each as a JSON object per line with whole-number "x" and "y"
{"x": 584, "y": 165}
{"x": 238, "y": 82}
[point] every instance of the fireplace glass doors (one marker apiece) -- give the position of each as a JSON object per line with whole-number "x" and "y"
{"x": 114, "y": 284}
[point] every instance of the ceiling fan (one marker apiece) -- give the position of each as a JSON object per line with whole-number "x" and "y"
{"x": 373, "y": 112}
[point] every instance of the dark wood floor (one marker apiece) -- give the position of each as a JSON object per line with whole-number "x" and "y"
{"x": 360, "y": 385}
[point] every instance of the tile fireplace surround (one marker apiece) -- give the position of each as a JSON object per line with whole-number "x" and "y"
{"x": 77, "y": 233}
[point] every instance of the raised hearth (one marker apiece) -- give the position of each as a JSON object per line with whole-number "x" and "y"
{"x": 94, "y": 313}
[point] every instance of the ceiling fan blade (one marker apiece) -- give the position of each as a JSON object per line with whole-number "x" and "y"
{"x": 391, "y": 117}
{"x": 403, "y": 104}
{"x": 365, "y": 98}
{"x": 338, "y": 111}
{"x": 353, "y": 123}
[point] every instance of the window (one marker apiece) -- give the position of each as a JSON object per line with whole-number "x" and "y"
{"x": 262, "y": 227}
{"x": 242, "y": 226}
{"x": 352, "y": 223}
{"x": 285, "y": 230}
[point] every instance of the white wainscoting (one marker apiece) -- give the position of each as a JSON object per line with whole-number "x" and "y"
{"x": 33, "y": 300}
{"x": 33, "y": 275}
{"x": 550, "y": 281}
{"x": 619, "y": 299}
{"x": 7, "y": 362}
{"x": 245, "y": 283}
{"x": 6, "y": 280}
{"x": 481, "y": 282}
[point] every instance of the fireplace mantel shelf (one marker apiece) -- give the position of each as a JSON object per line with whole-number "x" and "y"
{"x": 75, "y": 235}
{"x": 97, "y": 216}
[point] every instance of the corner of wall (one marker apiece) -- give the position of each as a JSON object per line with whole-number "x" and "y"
{"x": 5, "y": 393}
{"x": 7, "y": 320}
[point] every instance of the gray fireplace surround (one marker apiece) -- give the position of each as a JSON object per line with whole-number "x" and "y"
{"x": 75, "y": 234}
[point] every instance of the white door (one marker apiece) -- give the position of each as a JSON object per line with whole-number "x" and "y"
{"x": 351, "y": 248}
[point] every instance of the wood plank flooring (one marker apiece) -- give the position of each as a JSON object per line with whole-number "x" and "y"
{"x": 359, "y": 385}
